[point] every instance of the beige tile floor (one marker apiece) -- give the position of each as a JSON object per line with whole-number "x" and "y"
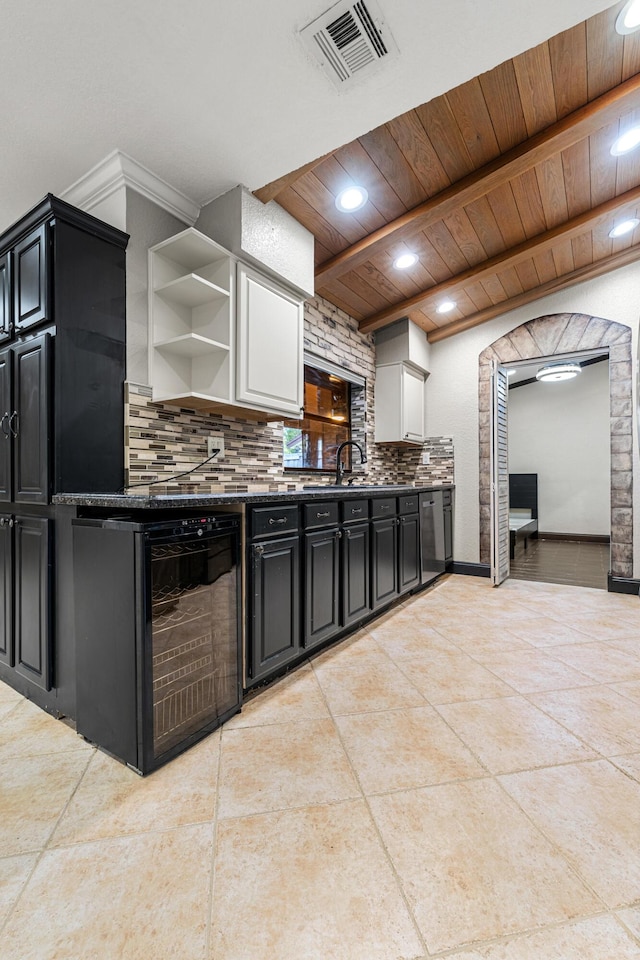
{"x": 461, "y": 780}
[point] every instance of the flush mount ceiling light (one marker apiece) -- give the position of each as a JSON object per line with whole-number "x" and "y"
{"x": 558, "y": 371}
{"x": 351, "y": 199}
{"x": 446, "y": 306}
{"x": 625, "y": 227}
{"x": 405, "y": 261}
{"x": 627, "y": 141}
{"x": 628, "y": 20}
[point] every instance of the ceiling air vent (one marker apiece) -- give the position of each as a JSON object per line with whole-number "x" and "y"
{"x": 349, "y": 39}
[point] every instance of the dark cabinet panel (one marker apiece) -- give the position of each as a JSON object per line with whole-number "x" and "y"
{"x": 30, "y": 294}
{"x": 275, "y": 605}
{"x": 356, "y": 589}
{"x": 28, "y": 421}
{"x": 6, "y": 408}
{"x": 322, "y": 585}
{"x": 409, "y": 552}
{"x": 5, "y": 297}
{"x": 447, "y": 515}
{"x": 6, "y": 589}
{"x": 31, "y": 606}
{"x": 384, "y": 563}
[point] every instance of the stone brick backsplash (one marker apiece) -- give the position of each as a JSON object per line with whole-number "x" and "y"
{"x": 162, "y": 440}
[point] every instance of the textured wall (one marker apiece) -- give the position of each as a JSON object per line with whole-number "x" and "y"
{"x": 163, "y": 440}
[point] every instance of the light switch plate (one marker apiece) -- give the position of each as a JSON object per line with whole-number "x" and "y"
{"x": 215, "y": 442}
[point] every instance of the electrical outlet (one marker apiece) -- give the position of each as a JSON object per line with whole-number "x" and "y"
{"x": 215, "y": 442}
{"x": 426, "y": 457}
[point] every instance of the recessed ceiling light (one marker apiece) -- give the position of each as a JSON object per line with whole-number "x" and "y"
{"x": 558, "y": 371}
{"x": 405, "y": 261}
{"x": 351, "y": 199}
{"x": 628, "y": 20}
{"x": 625, "y": 227}
{"x": 446, "y": 306}
{"x": 627, "y": 141}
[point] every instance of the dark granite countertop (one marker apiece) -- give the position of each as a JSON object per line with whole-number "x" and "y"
{"x": 129, "y": 501}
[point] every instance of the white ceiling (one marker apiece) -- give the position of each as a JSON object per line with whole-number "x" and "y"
{"x": 210, "y": 94}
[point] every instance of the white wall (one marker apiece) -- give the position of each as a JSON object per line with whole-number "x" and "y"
{"x": 452, "y": 389}
{"x": 561, "y": 432}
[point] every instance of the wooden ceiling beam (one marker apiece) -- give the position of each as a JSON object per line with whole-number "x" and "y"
{"x": 588, "y": 272}
{"x": 559, "y": 136}
{"x": 510, "y": 258}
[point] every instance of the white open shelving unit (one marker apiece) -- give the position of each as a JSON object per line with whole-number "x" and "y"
{"x": 191, "y": 319}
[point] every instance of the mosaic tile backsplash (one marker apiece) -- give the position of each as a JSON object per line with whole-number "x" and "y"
{"x": 162, "y": 440}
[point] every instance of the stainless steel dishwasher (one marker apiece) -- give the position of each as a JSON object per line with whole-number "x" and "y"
{"x": 432, "y": 539}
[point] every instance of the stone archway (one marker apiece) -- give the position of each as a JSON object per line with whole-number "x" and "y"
{"x": 554, "y": 335}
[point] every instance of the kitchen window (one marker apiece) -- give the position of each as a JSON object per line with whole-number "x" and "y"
{"x": 330, "y": 402}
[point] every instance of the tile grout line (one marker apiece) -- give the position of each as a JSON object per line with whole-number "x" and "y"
{"x": 394, "y": 872}
{"x": 41, "y": 853}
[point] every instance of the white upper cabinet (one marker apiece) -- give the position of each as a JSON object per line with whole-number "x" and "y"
{"x": 399, "y": 404}
{"x": 218, "y": 340}
{"x": 269, "y": 370}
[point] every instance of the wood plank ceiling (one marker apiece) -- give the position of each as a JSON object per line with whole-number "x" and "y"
{"x": 504, "y": 187}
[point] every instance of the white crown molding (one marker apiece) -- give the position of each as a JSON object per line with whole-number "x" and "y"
{"x": 118, "y": 170}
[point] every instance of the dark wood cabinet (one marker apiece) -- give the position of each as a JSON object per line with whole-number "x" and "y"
{"x": 322, "y": 585}
{"x": 28, "y": 422}
{"x": 62, "y": 371}
{"x": 30, "y": 282}
{"x": 384, "y": 561}
{"x": 25, "y": 579}
{"x": 32, "y": 609}
{"x": 24, "y": 421}
{"x": 408, "y": 552}
{"x": 274, "y": 614}
{"x": 356, "y": 583}
{"x": 6, "y": 589}
{"x": 5, "y": 297}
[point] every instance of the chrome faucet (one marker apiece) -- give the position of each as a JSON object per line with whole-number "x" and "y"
{"x": 339, "y": 463}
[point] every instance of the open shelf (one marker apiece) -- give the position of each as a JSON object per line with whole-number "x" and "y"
{"x": 191, "y": 291}
{"x": 191, "y": 345}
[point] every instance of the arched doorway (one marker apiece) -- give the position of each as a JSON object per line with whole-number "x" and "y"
{"x": 556, "y": 335}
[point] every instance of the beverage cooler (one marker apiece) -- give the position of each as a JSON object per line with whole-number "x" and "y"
{"x": 158, "y": 638}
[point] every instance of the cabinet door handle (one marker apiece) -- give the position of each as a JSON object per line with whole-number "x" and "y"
{"x": 385, "y": 506}
{"x": 338, "y": 534}
{"x": 319, "y": 516}
{"x": 355, "y": 510}
{"x": 14, "y": 415}
{"x": 12, "y": 523}
{"x": 4, "y": 424}
{"x": 258, "y": 550}
{"x": 281, "y": 520}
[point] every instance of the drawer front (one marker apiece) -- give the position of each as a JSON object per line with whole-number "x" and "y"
{"x": 384, "y": 507}
{"x": 408, "y": 504}
{"x": 354, "y": 510}
{"x": 266, "y": 521}
{"x": 446, "y": 498}
{"x": 320, "y": 514}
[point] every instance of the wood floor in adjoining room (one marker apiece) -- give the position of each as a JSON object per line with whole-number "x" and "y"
{"x": 572, "y": 562}
{"x": 461, "y": 779}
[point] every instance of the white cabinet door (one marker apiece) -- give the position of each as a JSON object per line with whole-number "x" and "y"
{"x": 412, "y": 405}
{"x": 270, "y": 372}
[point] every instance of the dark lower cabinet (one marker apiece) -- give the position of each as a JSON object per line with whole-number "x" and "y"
{"x": 384, "y": 561}
{"x": 274, "y": 614}
{"x": 322, "y": 585}
{"x": 25, "y": 556}
{"x": 447, "y": 516}
{"x": 408, "y": 552}
{"x": 6, "y": 589}
{"x": 356, "y": 581}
